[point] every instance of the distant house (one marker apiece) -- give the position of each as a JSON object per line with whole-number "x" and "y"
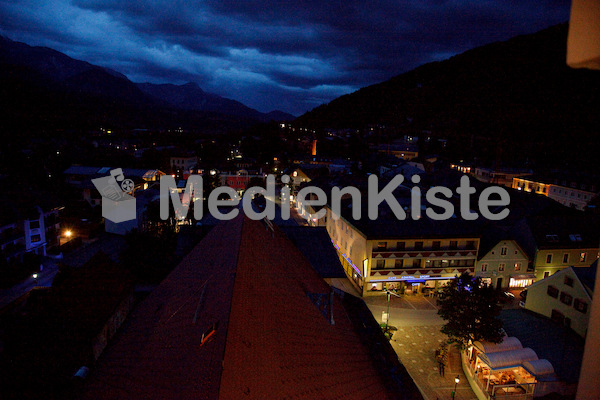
{"x": 555, "y": 242}
{"x": 499, "y": 176}
{"x": 239, "y": 180}
{"x": 80, "y": 177}
{"x": 565, "y": 297}
{"x": 299, "y": 176}
{"x": 28, "y": 226}
{"x": 503, "y": 263}
{"x": 571, "y": 193}
{"x": 404, "y": 151}
{"x": 183, "y": 163}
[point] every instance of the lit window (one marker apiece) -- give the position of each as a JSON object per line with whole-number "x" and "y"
{"x": 517, "y": 266}
{"x": 582, "y": 257}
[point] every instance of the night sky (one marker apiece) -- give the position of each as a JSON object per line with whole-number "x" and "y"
{"x": 287, "y": 55}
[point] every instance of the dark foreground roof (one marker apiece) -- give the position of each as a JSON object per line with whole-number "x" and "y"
{"x": 315, "y": 244}
{"x": 273, "y": 336}
{"x": 587, "y": 276}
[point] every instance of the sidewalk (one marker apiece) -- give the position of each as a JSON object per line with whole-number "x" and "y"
{"x": 415, "y": 346}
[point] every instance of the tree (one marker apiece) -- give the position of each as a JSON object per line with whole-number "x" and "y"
{"x": 470, "y": 309}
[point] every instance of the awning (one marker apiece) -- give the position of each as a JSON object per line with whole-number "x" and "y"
{"x": 523, "y": 276}
{"x": 509, "y": 358}
{"x": 509, "y": 343}
{"x": 539, "y": 367}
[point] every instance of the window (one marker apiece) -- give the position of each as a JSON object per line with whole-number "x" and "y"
{"x": 568, "y": 281}
{"x": 400, "y": 245}
{"x": 436, "y": 245}
{"x": 549, "y": 259}
{"x": 35, "y": 238}
{"x": 399, "y": 263}
{"x": 381, "y": 245}
{"x": 503, "y": 251}
{"x": 565, "y": 258}
{"x": 552, "y": 238}
{"x": 380, "y": 264}
{"x": 416, "y": 263}
{"x": 566, "y": 298}
{"x": 501, "y": 267}
{"x": 470, "y": 244}
{"x": 575, "y": 237}
{"x": 580, "y": 306}
{"x": 582, "y": 257}
{"x": 453, "y": 244}
{"x": 484, "y": 267}
{"x": 552, "y": 291}
{"x": 546, "y": 274}
{"x": 517, "y": 266}
{"x": 418, "y": 245}
{"x": 35, "y": 224}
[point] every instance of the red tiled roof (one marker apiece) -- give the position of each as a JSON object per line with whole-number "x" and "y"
{"x": 158, "y": 354}
{"x": 279, "y": 344}
{"x": 272, "y": 340}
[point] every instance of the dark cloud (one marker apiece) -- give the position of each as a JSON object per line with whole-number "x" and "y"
{"x": 291, "y": 55}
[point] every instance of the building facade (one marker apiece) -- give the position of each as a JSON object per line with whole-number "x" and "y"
{"x": 505, "y": 266}
{"x": 568, "y": 193}
{"x": 563, "y": 298}
{"x": 405, "y": 262}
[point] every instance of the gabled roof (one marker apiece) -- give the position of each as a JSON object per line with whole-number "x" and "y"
{"x": 491, "y": 236}
{"x": 587, "y": 276}
{"x": 159, "y": 353}
{"x": 268, "y": 316}
{"x": 564, "y": 231}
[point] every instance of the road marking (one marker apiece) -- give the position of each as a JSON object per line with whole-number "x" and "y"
{"x": 414, "y": 308}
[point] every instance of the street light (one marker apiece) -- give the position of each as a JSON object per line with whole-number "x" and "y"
{"x": 387, "y": 319}
{"x": 456, "y": 380}
{"x": 68, "y": 233}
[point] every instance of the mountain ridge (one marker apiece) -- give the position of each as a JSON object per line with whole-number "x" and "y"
{"x": 54, "y": 71}
{"x": 516, "y": 97}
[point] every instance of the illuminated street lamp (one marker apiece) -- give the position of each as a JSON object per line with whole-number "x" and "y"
{"x": 68, "y": 233}
{"x": 456, "y": 380}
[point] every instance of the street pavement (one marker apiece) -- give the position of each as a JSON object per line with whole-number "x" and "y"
{"x": 415, "y": 342}
{"x": 44, "y": 278}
